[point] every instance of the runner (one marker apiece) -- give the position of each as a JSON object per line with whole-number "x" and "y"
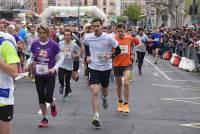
{"x": 8, "y": 71}
{"x": 98, "y": 47}
{"x": 29, "y": 39}
{"x": 70, "y": 51}
{"x": 123, "y": 66}
{"x": 45, "y": 58}
{"x": 141, "y": 48}
{"x": 156, "y": 42}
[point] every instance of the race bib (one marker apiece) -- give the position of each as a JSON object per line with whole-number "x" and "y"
{"x": 124, "y": 49}
{"x": 156, "y": 39}
{"x": 42, "y": 69}
{"x": 68, "y": 55}
{"x": 99, "y": 56}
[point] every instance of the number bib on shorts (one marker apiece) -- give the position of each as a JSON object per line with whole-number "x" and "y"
{"x": 42, "y": 69}
{"x": 124, "y": 49}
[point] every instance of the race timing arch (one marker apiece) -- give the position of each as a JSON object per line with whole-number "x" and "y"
{"x": 73, "y": 11}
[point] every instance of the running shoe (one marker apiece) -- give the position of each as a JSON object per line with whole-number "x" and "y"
{"x": 96, "y": 121}
{"x": 120, "y": 107}
{"x": 66, "y": 98}
{"x": 43, "y": 123}
{"x": 104, "y": 102}
{"x": 126, "y": 108}
{"x": 70, "y": 94}
{"x": 54, "y": 110}
{"x": 140, "y": 73}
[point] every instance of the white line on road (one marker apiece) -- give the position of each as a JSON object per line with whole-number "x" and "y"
{"x": 178, "y": 87}
{"x": 192, "y": 125}
{"x": 170, "y": 71}
{"x": 177, "y": 100}
{"x": 158, "y": 69}
{"x": 156, "y": 74}
{"x": 192, "y": 98}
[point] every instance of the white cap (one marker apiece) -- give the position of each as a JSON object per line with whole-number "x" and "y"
{"x": 11, "y": 26}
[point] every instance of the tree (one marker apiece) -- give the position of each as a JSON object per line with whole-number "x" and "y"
{"x": 122, "y": 19}
{"x": 133, "y": 12}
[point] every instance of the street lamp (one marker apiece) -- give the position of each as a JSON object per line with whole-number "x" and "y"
{"x": 193, "y": 12}
{"x": 176, "y": 14}
{"x": 78, "y": 19}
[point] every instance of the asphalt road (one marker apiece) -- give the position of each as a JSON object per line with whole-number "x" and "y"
{"x": 164, "y": 100}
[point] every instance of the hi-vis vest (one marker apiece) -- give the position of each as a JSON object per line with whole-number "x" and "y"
{"x": 6, "y": 84}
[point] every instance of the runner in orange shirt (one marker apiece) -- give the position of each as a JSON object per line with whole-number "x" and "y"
{"x": 123, "y": 66}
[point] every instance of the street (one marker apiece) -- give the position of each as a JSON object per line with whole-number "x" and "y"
{"x": 164, "y": 100}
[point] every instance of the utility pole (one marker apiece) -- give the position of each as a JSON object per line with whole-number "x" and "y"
{"x": 176, "y": 14}
{"x": 193, "y": 12}
{"x": 78, "y": 19}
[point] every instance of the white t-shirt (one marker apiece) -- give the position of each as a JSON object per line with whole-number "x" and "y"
{"x": 142, "y": 46}
{"x": 198, "y": 43}
{"x": 99, "y": 46}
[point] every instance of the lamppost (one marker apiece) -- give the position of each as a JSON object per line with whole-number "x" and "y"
{"x": 193, "y": 11}
{"x": 78, "y": 19}
{"x": 176, "y": 14}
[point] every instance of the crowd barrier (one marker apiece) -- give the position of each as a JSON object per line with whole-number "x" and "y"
{"x": 186, "y": 57}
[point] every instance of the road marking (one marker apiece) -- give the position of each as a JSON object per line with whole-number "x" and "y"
{"x": 192, "y": 98}
{"x": 156, "y": 74}
{"x": 178, "y": 87}
{"x": 192, "y": 125}
{"x": 166, "y": 76}
{"x": 186, "y": 81}
{"x": 179, "y": 100}
{"x": 21, "y": 75}
{"x": 158, "y": 69}
{"x": 170, "y": 71}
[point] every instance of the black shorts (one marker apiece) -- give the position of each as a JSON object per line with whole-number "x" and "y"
{"x": 155, "y": 47}
{"x": 76, "y": 65}
{"x": 45, "y": 88}
{"x": 119, "y": 70}
{"x": 27, "y": 56}
{"x": 6, "y": 113}
{"x": 99, "y": 77}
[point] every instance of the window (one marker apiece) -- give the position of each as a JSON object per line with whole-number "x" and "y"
{"x": 95, "y": 2}
{"x": 86, "y": 3}
{"x": 104, "y": 2}
{"x": 104, "y": 10}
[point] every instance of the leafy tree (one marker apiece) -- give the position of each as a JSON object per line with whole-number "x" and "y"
{"x": 122, "y": 19}
{"x": 133, "y": 12}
